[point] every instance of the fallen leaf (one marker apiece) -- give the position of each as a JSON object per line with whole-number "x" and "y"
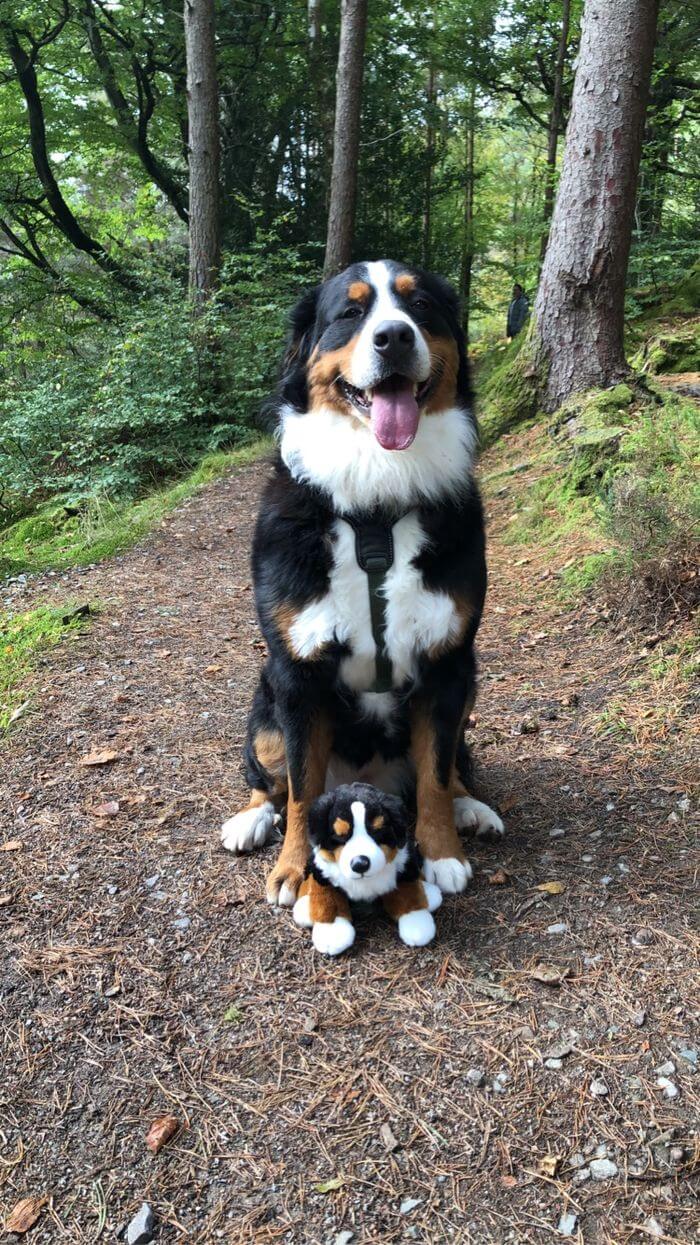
{"x": 12, "y": 845}
{"x": 109, "y": 809}
{"x": 509, "y": 1182}
{"x": 548, "y": 1164}
{"x": 499, "y": 878}
{"x": 492, "y": 990}
{"x": 550, "y": 974}
{"x": 24, "y": 1215}
{"x": 212, "y": 669}
{"x": 103, "y": 757}
{"x": 388, "y": 1139}
{"x": 162, "y": 652}
{"x": 507, "y": 804}
{"x": 551, "y": 888}
{"x": 17, "y": 713}
{"x": 160, "y": 1132}
{"x": 329, "y": 1186}
{"x": 5, "y": 899}
{"x": 233, "y": 1015}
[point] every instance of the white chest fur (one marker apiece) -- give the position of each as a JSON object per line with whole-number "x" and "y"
{"x": 416, "y": 619}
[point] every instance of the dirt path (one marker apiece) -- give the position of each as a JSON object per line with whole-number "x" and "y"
{"x": 445, "y": 1094}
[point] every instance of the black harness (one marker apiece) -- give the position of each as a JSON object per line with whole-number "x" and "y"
{"x": 374, "y": 551}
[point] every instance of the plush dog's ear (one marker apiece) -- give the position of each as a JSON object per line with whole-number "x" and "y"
{"x": 319, "y": 815}
{"x": 302, "y": 324}
{"x": 398, "y": 815}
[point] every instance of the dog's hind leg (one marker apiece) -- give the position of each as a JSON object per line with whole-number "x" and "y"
{"x": 266, "y": 772}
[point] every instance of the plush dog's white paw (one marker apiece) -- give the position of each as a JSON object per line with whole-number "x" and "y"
{"x": 249, "y": 829}
{"x": 301, "y": 912}
{"x": 471, "y": 814}
{"x": 333, "y": 937}
{"x": 433, "y": 895}
{"x": 416, "y": 928}
{"x": 450, "y": 874}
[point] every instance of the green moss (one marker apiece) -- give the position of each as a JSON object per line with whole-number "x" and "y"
{"x": 58, "y": 536}
{"x": 509, "y": 397}
{"x": 671, "y": 349}
{"x": 22, "y": 638}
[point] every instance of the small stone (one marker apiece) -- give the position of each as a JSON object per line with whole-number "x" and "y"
{"x": 525, "y": 1032}
{"x": 587, "y": 858}
{"x": 409, "y": 1204}
{"x": 344, "y": 1238}
{"x": 151, "y": 882}
{"x": 676, "y": 1155}
{"x": 567, "y": 1224}
{"x": 499, "y": 1082}
{"x": 553, "y": 1064}
{"x": 690, "y": 1056}
{"x": 670, "y": 1090}
{"x": 140, "y": 1229}
{"x": 561, "y": 1049}
{"x": 475, "y": 1077}
{"x": 560, "y": 927}
{"x": 583, "y": 1174}
{"x": 598, "y": 1088}
{"x": 652, "y": 1227}
{"x": 638, "y": 1018}
{"x": 577, "y": 1160}
{"x": 603, "y": 1169}
{"x": 557, "y": 833}
{"x": 622, "y": 867}
{"x": 182, "y": 923}
{"x": 606, "y": 880}
{"x": 529, "y": 725}
{"x": 112, "y": 890}
{"x": 666, "y": 1069}
{"x": 643, "y": 938}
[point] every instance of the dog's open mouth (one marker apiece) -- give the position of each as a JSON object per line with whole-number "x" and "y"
{"x": 391, "y": 407}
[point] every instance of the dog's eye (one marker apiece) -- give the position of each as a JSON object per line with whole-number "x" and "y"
{"x": 351, "y": 313}
{"x": 420, "y": 303}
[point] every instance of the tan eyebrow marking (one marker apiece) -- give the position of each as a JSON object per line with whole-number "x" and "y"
{"x": 405, "y": 284}
{"x": 359, "y": 291}
{"x": 341, "y": 826}
{"x": 378, "y": 822}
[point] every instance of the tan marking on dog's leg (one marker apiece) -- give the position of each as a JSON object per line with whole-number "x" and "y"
{"x": 270, "y": 752}
{"x": 445, "y": 863}
{"x": 326, "y": 903}
{"x": 408, "y": 897}
{"x": 286, "y": 877}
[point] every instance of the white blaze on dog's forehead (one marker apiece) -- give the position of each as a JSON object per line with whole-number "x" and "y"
{"x": 359, "y": 814}
{"x": 366, "y": 364}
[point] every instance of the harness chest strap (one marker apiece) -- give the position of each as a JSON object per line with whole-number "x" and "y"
{"x": 374, "y": 551}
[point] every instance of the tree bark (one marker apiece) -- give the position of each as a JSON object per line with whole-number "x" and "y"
{"x": 203, "y": 147}
{"x": 555, "y": 122}
{"x": 467, "y": 255}
{"x": 578, "y": 319}
{"x": 346, "y": 138}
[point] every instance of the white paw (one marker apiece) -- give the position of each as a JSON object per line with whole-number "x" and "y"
{"x": 332, "y": 938}
{"x": 416, "y": 928}
{"x": 433, "y": 895}
{"x": 249, "y": 829}
{"x": 287, "y": 896}
{"x": 471, "y": 814}
{"x": 301, "y": 912}
{"x": 450, "y": 874}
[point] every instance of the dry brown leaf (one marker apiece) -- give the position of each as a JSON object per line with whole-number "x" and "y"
{"x": 550, "y": 974}
{"x": 388, "y": 1139}
{"x": 161, "y": 1131}
{"x": 109, "y": 809}
{"x": 12, "y": 845}
{"x": 509, "y": 1182}
{"x": 548, "y": 1164}
{"x": 5, "y": 899}
{"x": 213, "y": 669}
{"x": 161, "y": 652}
{"x": 499, "y": 878}
{"x": 551, "y": 888}
{"x": 24, "y": 1215}
{"x": 103, "y": 757}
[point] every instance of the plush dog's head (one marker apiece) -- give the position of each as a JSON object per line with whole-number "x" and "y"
{"x": 360, "y": 839}
{"x": 381, "y": 345}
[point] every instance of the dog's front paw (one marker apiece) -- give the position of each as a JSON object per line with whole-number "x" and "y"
{"x": 250, "y": 829}
{"x": 449, "y": 873}
{"x": 284, "y": 882}
{"x": 471, "y": 814}
{"x": 417, "y": 928}
{"x": 334, "y": 937}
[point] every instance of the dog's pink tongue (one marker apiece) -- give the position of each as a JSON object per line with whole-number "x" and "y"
{"x": 395, "y": 413}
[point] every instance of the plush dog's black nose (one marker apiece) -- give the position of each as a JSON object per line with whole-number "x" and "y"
{"x": 360, "y": 864}
{"x": 394, "y": 340}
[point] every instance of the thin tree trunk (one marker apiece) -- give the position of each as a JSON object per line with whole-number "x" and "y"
{"x": 467, "y": 256}
{"x": 578, "y": 319}
{"x": 204, "y": 155}
{"x": 555, "y": 120}
{"x": 426, "y": 233}
{"x": 346, "y": 139}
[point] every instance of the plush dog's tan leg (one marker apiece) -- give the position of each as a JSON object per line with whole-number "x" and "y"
{"x": 327, "y": 910}
{"x": 409, "y": 907}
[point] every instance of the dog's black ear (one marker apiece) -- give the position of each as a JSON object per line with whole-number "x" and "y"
{"x": 302, "y": 324}
{"x": 319, "y": 815}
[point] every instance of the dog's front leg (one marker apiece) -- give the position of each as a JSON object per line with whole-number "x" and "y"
{"x": 307, "y": 738}
{"x": 434, "y": 730}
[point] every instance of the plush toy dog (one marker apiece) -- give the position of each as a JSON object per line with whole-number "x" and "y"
{"x": 363, "y": 848}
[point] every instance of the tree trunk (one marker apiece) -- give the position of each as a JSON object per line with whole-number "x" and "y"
{"x": 467, "y": 256}
{"x": 346, "y": 138}
{"x": 203, "y": 116}
{"x": 426, "y": 232}
{"x": 578, "y": 319}
{"x": 555, "y": 120}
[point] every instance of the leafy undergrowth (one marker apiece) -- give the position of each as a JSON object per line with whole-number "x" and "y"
{"x": 22, "y": 638}
{"x": 57, "y": 536}
{"x": 608, "y": 487}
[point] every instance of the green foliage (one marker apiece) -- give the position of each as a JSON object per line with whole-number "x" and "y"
{"x": 22, "y": 638}
{"x": 59, "y": 535}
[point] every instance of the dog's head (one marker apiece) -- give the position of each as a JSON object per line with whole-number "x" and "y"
{"x": 380, "y": 344}
{"x": 357, "y": 833}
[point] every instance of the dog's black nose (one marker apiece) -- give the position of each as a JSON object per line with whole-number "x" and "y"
{"x": 360, "y": 864}
{"x": 394, "y": 340}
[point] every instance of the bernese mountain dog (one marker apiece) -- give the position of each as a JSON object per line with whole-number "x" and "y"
{"x": 369, "y": 572}
{"x": 363, "y": 848}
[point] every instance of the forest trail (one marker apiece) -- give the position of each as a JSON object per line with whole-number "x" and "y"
{"x": 444, "y": 1094}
